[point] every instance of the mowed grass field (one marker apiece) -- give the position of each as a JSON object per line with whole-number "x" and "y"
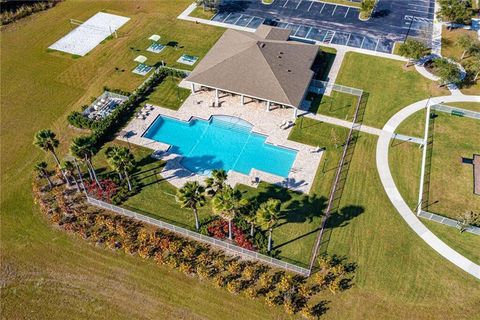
{"x": 391, "y": 87}
{"x": 48, "y": 274}
{"x": 451, "y": 182}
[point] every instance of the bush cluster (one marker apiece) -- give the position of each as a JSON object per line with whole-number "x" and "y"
{"x": 297, "y": 294}
{"x": 25, "y": 10}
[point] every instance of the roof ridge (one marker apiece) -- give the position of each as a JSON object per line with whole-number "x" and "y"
{"x": 273, "y": 72}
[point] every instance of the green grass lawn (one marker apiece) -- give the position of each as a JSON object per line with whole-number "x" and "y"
{"x": 465, "y": 243}
{"x": 405, "y": 161}
{"x": 451, "y": 183}
{"x": 414, "y": 125}
{"x": 387, "y": 281}
{"x": 344, "y": 2}
{"x": 199, "y": 12}
{"x": 390, "y": 86}
{"x": 338, "y": 105}
{"x": 49, "y": 274}
{"x": 168, "y": 94}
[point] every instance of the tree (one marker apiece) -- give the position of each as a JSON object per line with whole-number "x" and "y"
{"x": 267, "y": 217}
{"x": 413, "y": 50}
{"x": 192, "y": 196}
{"x": 227, "y": 204}
{"x": 83, "y": 149}
{"x": 42, "y": 172}
{"x": 468, "y": 45}
{"x": 447, "y": 71}
{"x": 122, "y": 161}
{"x": 48, "y": 142}
{"x": 468, "y": 219}
{"x": 216, "y": 182}
{"x": 366, "y": 8}
{"x": 455, "y": 11}
{"x": 474, "y": 65}
{"x": 251, "y": 218}
{"x": 70, "y": 173}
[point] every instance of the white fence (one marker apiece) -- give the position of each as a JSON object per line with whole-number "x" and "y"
{"x": 319, "y": 86}
{"x": 233, "y": 249}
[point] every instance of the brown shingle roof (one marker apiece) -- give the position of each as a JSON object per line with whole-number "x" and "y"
{"x": 255, "y": 65}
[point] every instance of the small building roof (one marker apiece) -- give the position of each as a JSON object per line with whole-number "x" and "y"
{"x": 140, "y": 59}
{"x": 154, "y": 37}
{"x": 263, "y": 65}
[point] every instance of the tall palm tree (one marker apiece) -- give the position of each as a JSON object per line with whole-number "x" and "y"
{"x": 216, "y": 182}
{"x": 227, "y": 204}
{"x": 122, "y": 161}
{"x": 42, "y": 172}
{"x": 83, "y": 149}
{"x": 70, "y": 173}
{"x": 251, "y": 218}
{"x": 47, "y": 141}
{"x": 267, "y": 217}
{"x": 192, "y": 196}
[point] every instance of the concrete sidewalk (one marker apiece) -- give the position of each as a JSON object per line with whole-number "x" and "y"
{"x": 394, "y": 194}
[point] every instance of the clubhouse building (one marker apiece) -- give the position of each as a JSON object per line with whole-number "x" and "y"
{"x": 262, "y": 66}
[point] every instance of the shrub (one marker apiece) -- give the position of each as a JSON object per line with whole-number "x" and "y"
{"x": 251, "y": 292}
{"x": 25, "y": 10}
{"x": 234, "y": 286}
{"x": 78, "y": 120}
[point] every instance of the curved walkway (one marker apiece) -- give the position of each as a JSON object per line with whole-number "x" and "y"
{"x": 396, "y": 198}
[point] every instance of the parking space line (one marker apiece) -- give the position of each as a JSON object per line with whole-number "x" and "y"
{"x": 348, "y": 40}
{"x": 310, "y": 7}
{"x": 322, "y": 8}
{"x": 298, "y": 4}
{"x": 285, "y": 4}
{"x": 334, "y": 10}
{"x": 250, "y": 21}
{"x": 361, "y": 45}
{"x": 348, "y": 9}
{"x": 226, "y": 17}
{"x": 238, "y": 19}
{"x": 376, "y": 46}
{"x": 306, "y": 36}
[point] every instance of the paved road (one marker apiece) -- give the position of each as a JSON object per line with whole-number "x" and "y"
{"x": 392, "y": 20}
{"x": 394, "y": 195}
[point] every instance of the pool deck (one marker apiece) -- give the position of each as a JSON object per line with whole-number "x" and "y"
{"x": 264, "y": 122}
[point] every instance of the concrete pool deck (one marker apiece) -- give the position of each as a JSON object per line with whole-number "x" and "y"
{"x": 264, "y": 122}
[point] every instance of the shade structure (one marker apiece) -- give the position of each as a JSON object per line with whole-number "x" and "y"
{"x": 154, "y": 37}
{"x": 140, "y": 59}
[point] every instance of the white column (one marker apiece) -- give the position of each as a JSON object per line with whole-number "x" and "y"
{"x": 295, "y": 114}
{"x": 216, "y": 97}
{"x": 424, "y": 159}
{"x": 193, "y": 87}
{"x": 242, "y": 99}
{"x": 268, "y": 105}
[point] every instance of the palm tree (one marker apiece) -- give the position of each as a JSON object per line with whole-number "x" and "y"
{"x": 475, "y": 65}
{"x": 251, "y": 218}
{"x": 227, "y": 204}
{"x": 42, "y": 172}
{"x": 47, "y": 141}
{"x": 83, "y": 149}
{"x": 267, "y": 217}
{"x": 70, "y": 172}
{"x": 216, "y": 182}
{"x": 192, "y": 195}
{"x": 121, "y": 160}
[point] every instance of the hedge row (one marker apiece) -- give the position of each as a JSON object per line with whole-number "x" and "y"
{"x": 66, "y": 209}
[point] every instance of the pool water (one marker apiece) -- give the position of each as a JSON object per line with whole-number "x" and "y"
{"x": 222, "y": 143}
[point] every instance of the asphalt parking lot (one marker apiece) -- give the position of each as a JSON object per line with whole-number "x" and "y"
{"x": 392, "y": 20}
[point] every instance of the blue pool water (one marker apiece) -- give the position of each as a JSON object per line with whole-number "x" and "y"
{"x": 221, "y": 143}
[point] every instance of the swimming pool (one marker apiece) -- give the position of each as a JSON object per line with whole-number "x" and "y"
{"x": 222, "y": 143}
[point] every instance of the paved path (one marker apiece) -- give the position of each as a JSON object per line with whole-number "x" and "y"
{"x": 362, "y": 128}
{"x": 396, "y": 198}
{"x": 335, "y": 69}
